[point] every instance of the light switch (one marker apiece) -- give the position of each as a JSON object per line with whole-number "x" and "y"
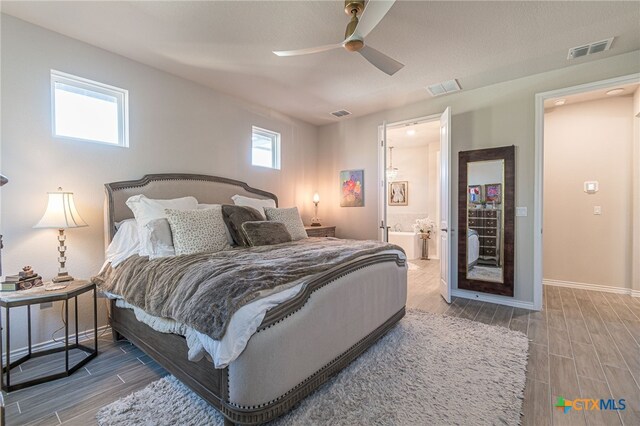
{"x": 591, "y": 187}
{"x": 597, "y": 210}
{"x": 521, "y": 211}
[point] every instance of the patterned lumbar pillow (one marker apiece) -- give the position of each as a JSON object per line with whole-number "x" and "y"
{"x": 197, "y": 231}
{"x": 291, "y": 219}
{"x": 265, "y": 233}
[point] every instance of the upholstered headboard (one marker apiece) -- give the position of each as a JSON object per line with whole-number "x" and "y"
{"x": 206, "y": 189}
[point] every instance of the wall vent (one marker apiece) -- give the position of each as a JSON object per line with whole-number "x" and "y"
{"x": 341, "y": 113}
{"x": 444, "y": 88}
{"x": 590, "y": 49}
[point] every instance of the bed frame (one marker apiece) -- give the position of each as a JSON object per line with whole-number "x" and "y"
{"x": 170, "y": 350}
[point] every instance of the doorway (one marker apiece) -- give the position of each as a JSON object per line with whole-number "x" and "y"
{"x": 414, "y": 193}
{"x": 587, "y": 180}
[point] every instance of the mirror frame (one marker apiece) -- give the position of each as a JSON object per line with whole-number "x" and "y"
{"x": 506, "y": 153}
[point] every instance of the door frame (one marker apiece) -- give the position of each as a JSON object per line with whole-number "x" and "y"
{"x": 382, "y": 181}
{"x": 382, "y": 159}
{"x": 539, "y": 167}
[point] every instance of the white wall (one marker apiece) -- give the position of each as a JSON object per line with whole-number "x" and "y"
{"x": 412, "y": 164}
{"x": 175, "y": 126}
{"x": 583, "y": 142}
{"x": 497, "y": 115}
{"x": 635, "y": 251}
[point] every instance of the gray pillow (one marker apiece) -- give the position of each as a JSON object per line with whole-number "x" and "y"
{"x": 160, "y": 239}
{"x": 234, "y": 217}
{"x": 291, "y": 219}
{"x": 265, "y": 233}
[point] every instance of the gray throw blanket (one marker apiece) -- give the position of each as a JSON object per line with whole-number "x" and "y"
{"x": 204, "y": 290}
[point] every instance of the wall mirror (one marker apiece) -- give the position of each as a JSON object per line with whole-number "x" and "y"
{"x": 486, "y": 189}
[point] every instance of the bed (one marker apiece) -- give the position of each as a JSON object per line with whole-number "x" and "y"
{"x": 298, "y": 345}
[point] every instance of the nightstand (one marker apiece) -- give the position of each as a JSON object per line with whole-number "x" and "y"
{"x": 320, "y": 231}
{"x": 36, "y": 296}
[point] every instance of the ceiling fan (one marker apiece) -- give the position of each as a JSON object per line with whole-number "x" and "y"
{"x": 357, "y": 30}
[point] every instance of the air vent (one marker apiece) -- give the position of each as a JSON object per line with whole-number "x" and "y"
{"x": 590, "y": 49}
{"x": 340, "y": 113}
{"x": 444, "y": 88}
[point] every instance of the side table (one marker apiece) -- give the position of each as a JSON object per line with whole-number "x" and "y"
{"x": 35, "y": 296}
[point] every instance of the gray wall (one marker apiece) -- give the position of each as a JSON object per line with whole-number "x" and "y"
{"x": 175, "y": 126}
{"x": 497, "y": 115}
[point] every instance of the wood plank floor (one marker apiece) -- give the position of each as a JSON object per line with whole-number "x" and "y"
{"x": 583, "y": 344}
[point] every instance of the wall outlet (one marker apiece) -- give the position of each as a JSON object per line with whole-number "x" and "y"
{"x": 597, "y": 210}
{"x": 46, "y": 305}
{"x": 521, "y": 211}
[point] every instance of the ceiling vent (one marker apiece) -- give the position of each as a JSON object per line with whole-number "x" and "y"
{"x": 341, "y": 113}
{"x": 590, "y": 49}
{"x": 444, "y": 88}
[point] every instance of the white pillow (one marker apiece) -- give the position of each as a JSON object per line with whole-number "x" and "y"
{"x": 197, "y": 231}
{"x": 218, "y": 206}
{"x": 125, "y": 243}
{"x": 291, "y": 219}
{"x": 146, "y": 209}
{"x": 256, "y": 203}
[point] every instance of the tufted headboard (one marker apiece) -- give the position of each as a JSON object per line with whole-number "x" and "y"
{"x": 206, "y": 189}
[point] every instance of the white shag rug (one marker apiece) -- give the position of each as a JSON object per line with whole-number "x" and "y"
{"x": 428, "y": 370}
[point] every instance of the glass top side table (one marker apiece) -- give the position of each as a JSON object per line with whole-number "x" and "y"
{"x": 36, "y": 296}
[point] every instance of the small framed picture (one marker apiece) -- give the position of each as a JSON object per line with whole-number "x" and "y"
{"x": 399, "y": 193}
{"x": 475, "y": 194}
{"x": 493, "y": 193}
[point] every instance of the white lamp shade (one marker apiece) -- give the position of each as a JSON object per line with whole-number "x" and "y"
{"x": 61, "y": 212}
{"x": 316, "y": 198}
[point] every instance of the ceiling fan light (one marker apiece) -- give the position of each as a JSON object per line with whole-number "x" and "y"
{"x": 354, "y": 45}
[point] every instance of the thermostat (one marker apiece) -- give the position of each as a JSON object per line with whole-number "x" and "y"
{"x": 591, "y": 187}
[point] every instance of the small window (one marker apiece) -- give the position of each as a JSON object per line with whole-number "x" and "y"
{"x": 265, "y": 148}
{"x": 88, "y": 111}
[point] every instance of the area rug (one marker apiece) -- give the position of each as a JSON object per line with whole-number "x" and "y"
{"x": 428, "y": 370}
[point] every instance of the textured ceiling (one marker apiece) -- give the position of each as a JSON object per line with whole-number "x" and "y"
{"x": 227, "y": 45}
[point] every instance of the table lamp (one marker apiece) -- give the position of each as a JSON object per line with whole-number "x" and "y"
{"x": 314, "y": 220}
{"x": 61, "y": 214}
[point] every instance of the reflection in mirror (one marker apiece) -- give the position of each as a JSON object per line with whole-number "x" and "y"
{"x": 486, "y": 213}
{"x": 485, "y": 221}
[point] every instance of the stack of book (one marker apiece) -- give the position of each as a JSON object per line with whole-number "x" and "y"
{"x": 15, "y": 282}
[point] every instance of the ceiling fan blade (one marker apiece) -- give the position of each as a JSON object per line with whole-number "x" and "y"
{"x": 371, "y": 16}
{"x": 380, "y": 60}
{"x": 307, "y": 51}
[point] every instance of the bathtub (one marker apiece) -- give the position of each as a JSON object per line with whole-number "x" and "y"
{"x": 409, "y": 241}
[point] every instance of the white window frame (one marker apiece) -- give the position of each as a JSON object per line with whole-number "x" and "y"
{"x": 275, "y": 146}
{"x": 122, "y": 96}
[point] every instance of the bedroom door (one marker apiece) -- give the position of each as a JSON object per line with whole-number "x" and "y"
{"x": 446, "y": 232}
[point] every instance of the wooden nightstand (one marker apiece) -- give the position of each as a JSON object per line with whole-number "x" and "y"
{"x": 35, "y": 296}
{"x": 320, "y": 231}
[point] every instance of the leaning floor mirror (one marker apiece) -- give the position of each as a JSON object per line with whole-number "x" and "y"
{"x": 486, "y": 196}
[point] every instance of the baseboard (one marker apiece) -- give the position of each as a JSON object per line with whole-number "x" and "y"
{"x": 490, "y": 298}
{"x": 595, "y": 287}
{"x": 50, "y": 344}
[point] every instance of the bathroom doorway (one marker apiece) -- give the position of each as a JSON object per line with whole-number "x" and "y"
{"x": 413, "y": 194}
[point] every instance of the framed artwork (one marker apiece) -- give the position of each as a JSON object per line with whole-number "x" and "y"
{"x": 493, "y": 193}
{"x": 352, "y": 188}
{"x": 399, "y": 193}
{"x": 475, "y": 194}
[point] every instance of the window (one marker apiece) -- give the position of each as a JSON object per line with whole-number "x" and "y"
{"x": 88, "y": 111}
{"x": 265, "y": 148}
